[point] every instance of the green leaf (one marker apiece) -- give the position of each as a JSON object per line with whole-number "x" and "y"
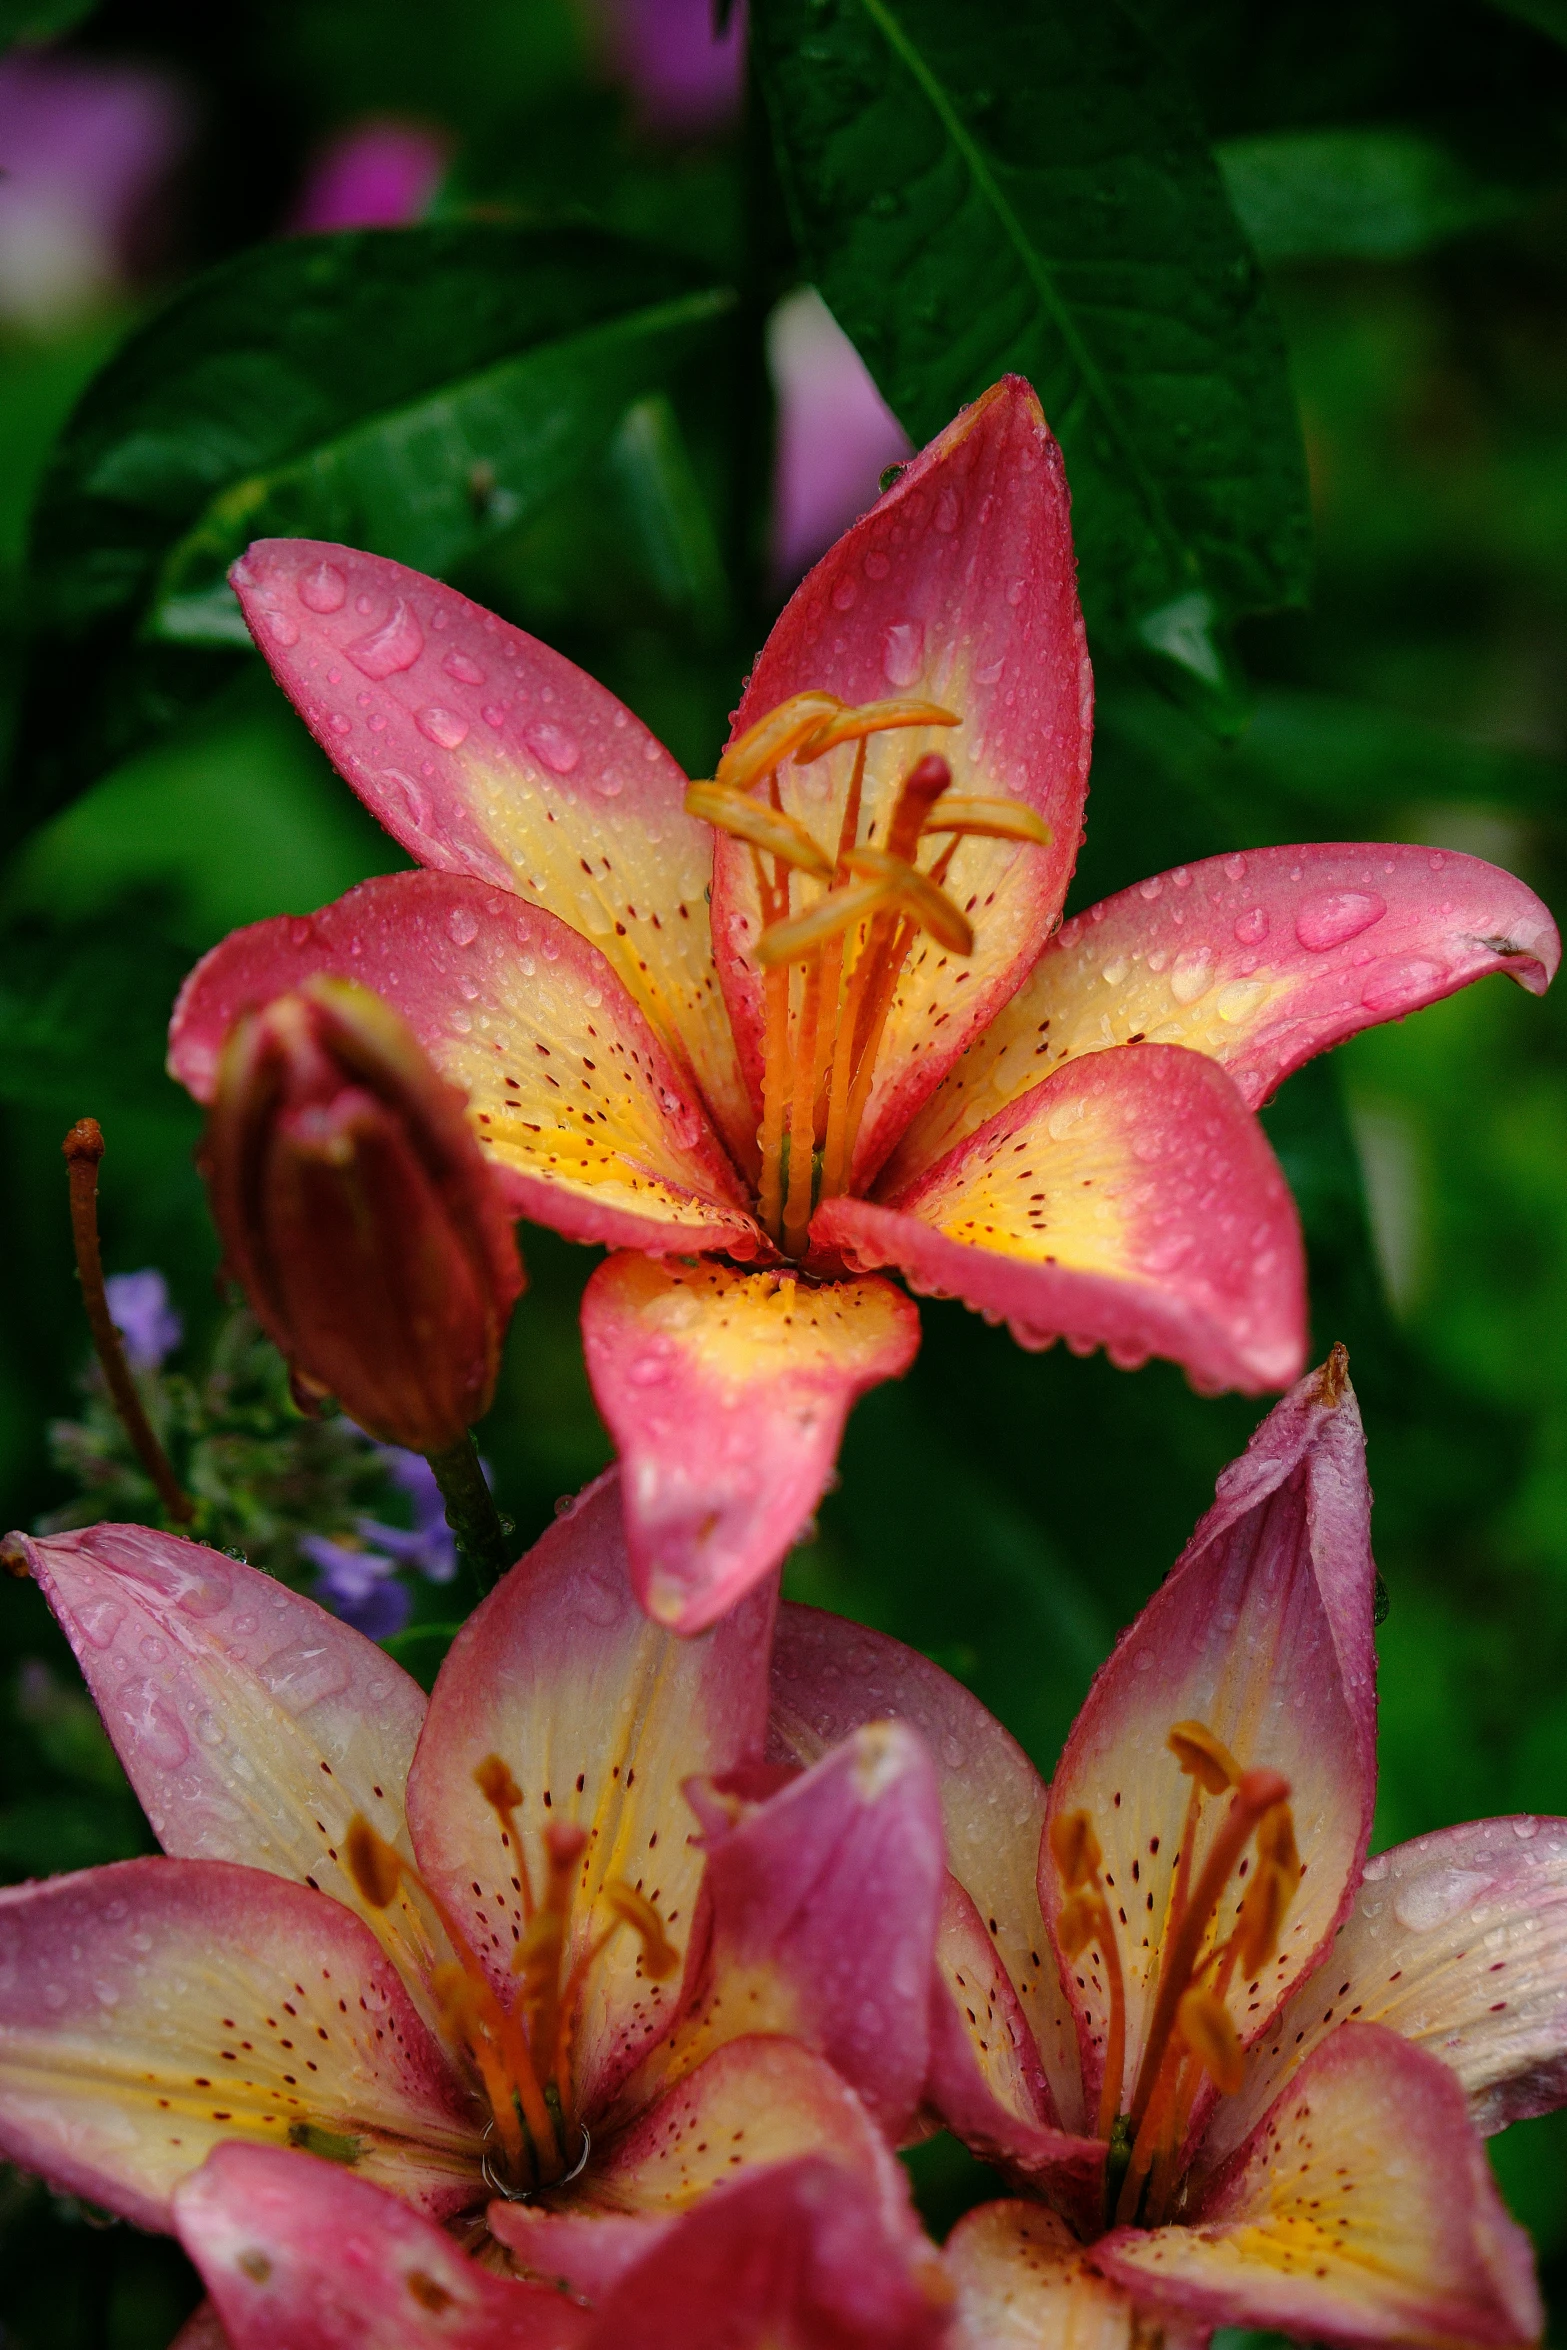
{"x": 417, "y": 392}
{"x": 1374, "y": 195}
{"x": 990, "y": 187}
{"x": 40, "y": 20}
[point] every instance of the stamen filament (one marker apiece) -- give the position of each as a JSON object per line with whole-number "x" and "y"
{"x": 802, "y": 1117}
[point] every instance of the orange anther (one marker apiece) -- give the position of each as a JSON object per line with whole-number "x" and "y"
{"x": 1203, "y": 2022}
{"x": 1082, "y": 1921}
{"x": 373, "y": 1865}
{"x": 989, "y": 820}
{"x": 1075, "y": 1849}
{"x": 496, "y": 1784}
{"x": 733, "y": 811}
{"x": 917, "y": 896}
{"x": 854, "y": 724}
{"x": 1203, "y": 1757}
{"x": 765, "y": 745}
{"x": 660, "y": 1958}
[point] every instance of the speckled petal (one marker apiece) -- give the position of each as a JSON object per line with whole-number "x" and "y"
{"x": 1022, "y": 2282}
{"x": 581, "y": 1112}
{"x": 753, "y": 2103}
{"x": 154, "y": 2008}
{"x": 829, "y": 1675}
{"x": 1459, "y": 1941}
{"x": 600, "y": 1716}
{"x": 824, "y": 1903}
{"x": 726, "y": 1393}
{"x": 483, "y": 752}
{"x": 1262, "y": 1632}
{"x": 1362, "y": 2209}
{"x": 959, "y": 586}
{"x": 800, "y": 2258}
{"x": 1130, "y": 1201}
{"x": 1260, "y": 960}
{"x": 302, "y": 2255}
{"x": 251, "y": 1723}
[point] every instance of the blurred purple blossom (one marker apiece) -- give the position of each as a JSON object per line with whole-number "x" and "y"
{"x": 836, "y": 434}
{"x": 380, "y": 174}
{"x": 361, "y": 1586}
{"x": 431, "y": 1549}
{"x": 85, "y": 149}
{"x": 684, "y": 81}
{"x": 143, "y": 1316}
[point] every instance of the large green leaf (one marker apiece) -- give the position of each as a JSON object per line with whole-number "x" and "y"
{"x": 417, "y": 391}
{"x": 1374, "y": 195}
{"x": 994, "y": 187}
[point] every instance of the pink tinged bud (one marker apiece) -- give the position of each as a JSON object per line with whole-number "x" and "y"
{"x": 379, "y": 174}
{"x": 357, "y": 1213}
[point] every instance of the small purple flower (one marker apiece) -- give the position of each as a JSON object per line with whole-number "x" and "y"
{"x": 836, "y": 433}
{"x": 360, "y": 1586}
{"x": 431, "y": 1548}
{"x": 379, "y": 174}
{"x": 685, "y": 81}
{"x": 139, "y": 1304}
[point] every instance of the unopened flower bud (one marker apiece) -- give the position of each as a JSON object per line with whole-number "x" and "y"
{"x": 356, "y": 1211}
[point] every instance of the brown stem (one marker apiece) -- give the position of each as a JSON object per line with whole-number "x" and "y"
{"x": 83, "y": 1148}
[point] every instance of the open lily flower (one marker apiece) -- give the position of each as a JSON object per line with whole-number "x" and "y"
{"x": 816, "y": 1015}
{"x": 463, "y": 1950}
{"x": 1246, "y": 2069}
{"x": 796, "y": 2258}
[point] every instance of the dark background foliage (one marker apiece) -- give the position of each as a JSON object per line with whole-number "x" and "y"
{"x": 1289, "y": 275}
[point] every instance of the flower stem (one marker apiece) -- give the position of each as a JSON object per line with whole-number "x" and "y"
{"x": 470, "y": 1510}
{"x": 83, "y": 1148}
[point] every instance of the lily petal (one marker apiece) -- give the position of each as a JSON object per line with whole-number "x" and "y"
{"x": 251, "y": 1723}
{"x": 829, "y": 1676}
{"x": 800, "y": 2258}
{"x": 483, "y": 752}
{"x": 824, "y": 1902}
{"x": 153, "y": 2008}
{"x": 960, "y": 586}
{"x": 1130, "y": 1201}
{"x": 580, "y": 1110}
{"x": 1459, "y": 1941}
{"x": 1023, "y": 2283}
{"x": 726, "y": 1393}
{"x": 600, "y": 1717}
{"x": 1260, "y": 960}
{"x": 301, "y": 2255}
{"x": 202, "y": 2330}
{"x": 1361, "y": 2209}
{"x": 753, "y": 2103}
{"x": 1262, "y": 1632}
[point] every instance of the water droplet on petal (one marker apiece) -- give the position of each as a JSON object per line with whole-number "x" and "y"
{"x": 462, "y": 926}
{"x": 844, "y": 593}
{"x": 1399, "y": 987}
{"x": 1336, "y": 917}
{"x": 418, "y": 801}
{"x": 100, "y": 1620}
{"x": 903, "y": 651}
{"x": 339, "y": 723}
{"x": 648, "y": 1370}
{"x": 158, "y": 1732}
{"x": 1431, "y": 1901}
{"x": 304, "y": 1672}
{"x": 559, "y": 749}
{"x": 990, "y": 674}
{"x": 949, "y": 512}
{"x": 282, "y": 630}
{"x": 877, "y": 565}
{"x": 1240, "y": 999}
{"x": 494, "y": 714}
{"x": 1235, "y": 867}
{"x": 460, "y": 666}
{"x": 396, "y": 644}
{"x": 446, "y": 727}
{"x": 323, "y": 588}
{"x": 1152, "y": 888}
{"x": 1015, "y": 588}
{"x": 1252, "y": 928}
{"x": 1192, "y": 975}
{"x": 1115, "y": 971}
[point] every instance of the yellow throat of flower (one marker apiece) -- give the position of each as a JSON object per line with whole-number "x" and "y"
{"x": 1190, "y": 2030}
{"x": 832, "y": 963}
{"x": 521, "y": 2047}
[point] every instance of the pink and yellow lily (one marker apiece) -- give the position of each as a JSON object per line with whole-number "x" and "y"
{"x": 766, "y": 1033}
{"x": 1240, "y": 2071}
{"x": 468, "y": 1951}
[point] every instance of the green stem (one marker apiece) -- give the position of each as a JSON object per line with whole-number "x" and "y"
{"x": 470, "y": 1510}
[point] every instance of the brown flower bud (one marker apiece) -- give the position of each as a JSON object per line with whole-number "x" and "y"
{"x": 357, "y": 1213}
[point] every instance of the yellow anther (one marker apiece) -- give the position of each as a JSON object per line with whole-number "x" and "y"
{"x": 1271, "y": 1891}
{"x": 496, "y": 1784}
{"x": 660, "y": 1958}
{"x": 852, "y": 725}
{"x": 373, "y": 1865}
{"x": 917, "y": 896}
{"x": 830, "y": 917}
{"x": 768, "y": 743}
{"x": 1203, "y": 1757}
{"x": 1075, "y": 1849}
{"x": 989, "y": 819}
{"x": 1203, "y": 2023}
{"x": 766, "y": 828}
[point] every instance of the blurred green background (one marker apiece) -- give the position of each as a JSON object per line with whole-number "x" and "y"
{"x": 1401, "y": 172}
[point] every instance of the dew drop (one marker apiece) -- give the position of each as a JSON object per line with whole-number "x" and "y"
{"x": 1152, "y": 888}
{"x": 446, "y": 727}
{"x": 282, "y": 630}
{"x": 417, "y": 801}
{"x": 1061, "y": 1122}
{"x": 903, "y": 650}
{"x": 1115, "y": 971}
{"x": 1252, "y": 928}
{"x": 323, "y": 588}
{"x": 990, "y": 674}
{"x": 100, "y": 1620}
{"x": 1240, "y": 999}
{"x": 396, "y": 644}
{"x": 647, "y": 1370}
{"x": 156, "y": 1727}
{"x": 462, "y": 926}
{"x": 1431, "y": 1901}
{"x": 559, "y": 749}
{"x": 949, "y": 512}
{"x": 1192, "y": 975}
{"x": 1336, "y": 917}
{"x": 844, "y": 593}
{"x": 1015, "y": 590}
{"x": 1235, "y": 867}
{"x": 1399, "y": 987}
{"x": 303, "y": 1673}
{"x": 877, "y": 564}
{"x": 339, "y": 724}
{"x": 460, "y": 666}
{"x": 494, "y": 714}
